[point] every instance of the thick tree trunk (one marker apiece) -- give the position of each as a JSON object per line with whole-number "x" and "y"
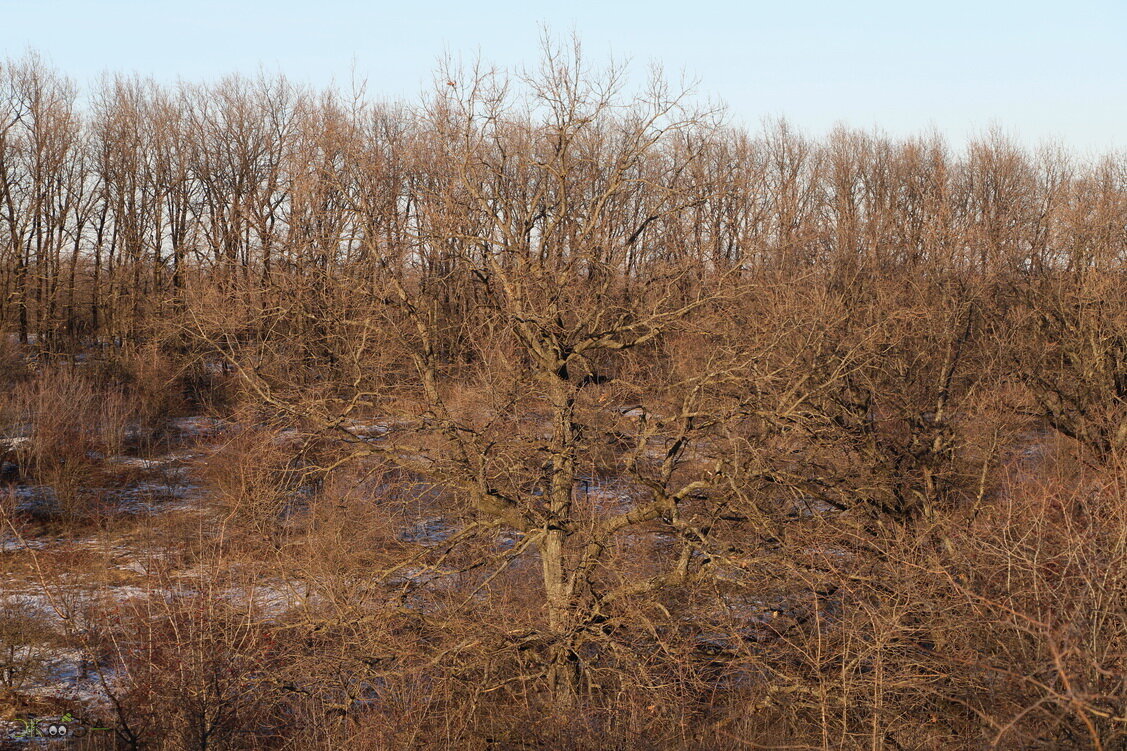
{"x": 564, "y": 670}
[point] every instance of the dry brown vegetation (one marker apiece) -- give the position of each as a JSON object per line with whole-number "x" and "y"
{"x": 550, "y": 415}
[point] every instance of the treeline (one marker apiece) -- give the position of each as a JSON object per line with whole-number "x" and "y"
{"x": 116, "y": 209}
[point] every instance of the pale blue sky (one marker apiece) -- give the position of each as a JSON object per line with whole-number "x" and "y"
{"x": 1038, "y": 70}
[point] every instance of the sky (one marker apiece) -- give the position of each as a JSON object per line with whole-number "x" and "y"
{"x": 1037, "y": 71}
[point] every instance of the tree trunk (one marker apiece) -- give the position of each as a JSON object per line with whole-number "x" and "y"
{"x": 564, "y": 670}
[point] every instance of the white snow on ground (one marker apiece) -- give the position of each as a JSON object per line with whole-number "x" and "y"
{"x": 58, "y": 603}
{"x": 418, "y": 576}
{"x": 35, "y": 499}
{"x": 199, "y": 426}
{"x": 38, "y": 603}
{"x": 75, "y": 679}
{"x": 70, "y": 675}
{"x": 156, "y": 497}
{"x": 11, "y": 444}
{"x": 607, "y": 496}
{"x": 165, "y": 486}
{"x": 429, "y": 531}
{"x": 171, "y": 462}
{"x": 805, "y": 507}
{"x": 370, "y": 430}
{"x": 10, "y": 544}
{"x": 271, "y": 598}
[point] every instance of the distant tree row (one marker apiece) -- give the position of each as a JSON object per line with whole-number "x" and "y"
{"x": 113, "y": 212}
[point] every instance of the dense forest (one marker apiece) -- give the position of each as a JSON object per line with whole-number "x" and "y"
{"x": 562, "y": 413}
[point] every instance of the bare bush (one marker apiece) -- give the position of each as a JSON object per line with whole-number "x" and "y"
{"x": 25, "y": 644}
{"x": 71, "y": 426}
